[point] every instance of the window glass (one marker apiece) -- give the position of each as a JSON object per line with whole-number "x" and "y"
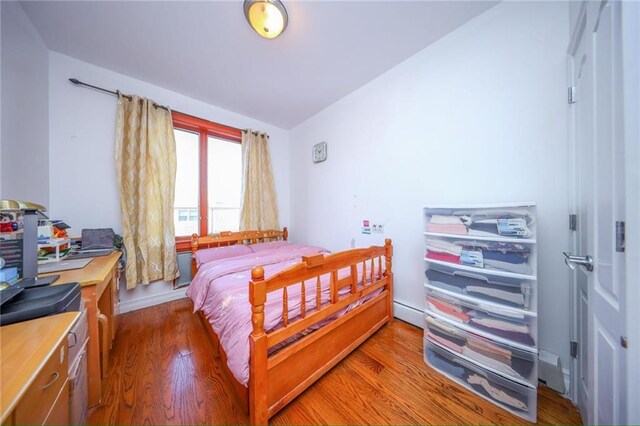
{"x": 224, "y": 174}
{"x": 185, "y": 213}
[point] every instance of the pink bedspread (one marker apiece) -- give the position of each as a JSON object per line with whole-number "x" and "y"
{"x": 221, "y": 290}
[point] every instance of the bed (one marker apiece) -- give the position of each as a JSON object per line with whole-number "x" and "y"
{"x": 305, "y": 310}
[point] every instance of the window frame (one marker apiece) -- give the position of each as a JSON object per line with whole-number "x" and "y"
{"x": 204, "y": 129}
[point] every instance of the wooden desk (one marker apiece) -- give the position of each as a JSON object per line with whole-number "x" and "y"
{"x": 98, "y": 282}
{"x": 34, "y": 369}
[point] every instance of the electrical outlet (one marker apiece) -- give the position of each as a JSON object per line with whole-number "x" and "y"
{"x": 377, "y": 228}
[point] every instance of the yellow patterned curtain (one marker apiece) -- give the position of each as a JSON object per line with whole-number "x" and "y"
{"x": 259, "y": 209}
{"x": 146, "y": 174}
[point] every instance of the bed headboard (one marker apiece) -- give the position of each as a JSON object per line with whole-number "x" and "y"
{"x": 228, "y": 238}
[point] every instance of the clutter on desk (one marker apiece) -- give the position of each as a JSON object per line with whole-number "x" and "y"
{"x": 11, "y": 222}
{"x": 18, "y": 238}
{"x": 32, "y": 244}
{"x": 25, "y": 233}
{"x": 95, "y": 243}
{"x": 9, "y": 275}
{"x": 53, "y": 241}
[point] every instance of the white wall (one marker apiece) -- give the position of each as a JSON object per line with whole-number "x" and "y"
{"x": 478, "y": 117}
{"x": 24, "y": 146}
{"x": 82, "y": 132}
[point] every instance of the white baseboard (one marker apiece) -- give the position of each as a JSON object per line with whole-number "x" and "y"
{"x": 156, "y": 299}
{"x": 407, "y": 313}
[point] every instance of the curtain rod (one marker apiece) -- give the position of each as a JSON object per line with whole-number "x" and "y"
{"x": 155, "y": 105}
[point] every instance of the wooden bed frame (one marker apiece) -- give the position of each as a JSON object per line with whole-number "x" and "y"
{"x": 276, "y": 379}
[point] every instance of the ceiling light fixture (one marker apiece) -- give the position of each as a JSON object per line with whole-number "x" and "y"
{"x": 267, "y": 17}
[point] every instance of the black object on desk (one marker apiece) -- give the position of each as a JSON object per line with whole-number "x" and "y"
{"x": 40, "y": 302}
{"x": 37, "y": 282}
{"x": 89, "y": 253}
{"x": 9, "y": 293}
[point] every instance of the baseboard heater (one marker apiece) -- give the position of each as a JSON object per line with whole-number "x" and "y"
{"x": 408, "y": 313}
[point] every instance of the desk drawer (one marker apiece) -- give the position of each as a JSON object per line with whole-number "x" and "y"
{"x": 38, "y": 400}
{"x": 59, "y": 413}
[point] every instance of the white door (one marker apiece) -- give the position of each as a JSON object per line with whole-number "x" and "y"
{"x": 598, "y": 200}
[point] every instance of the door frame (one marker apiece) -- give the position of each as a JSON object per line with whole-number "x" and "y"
{"x": 631, "y": 83}
{"x": 576, "y": 33}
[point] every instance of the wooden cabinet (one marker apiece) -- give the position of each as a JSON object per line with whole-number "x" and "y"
{"x": 37, "y": 401}
{"x": 59, "y": 414}
{"x": 98, "y": 281}
{"x": 34, "y": 369}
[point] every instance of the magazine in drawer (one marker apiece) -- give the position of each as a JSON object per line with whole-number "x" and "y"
{"x": 518, "y": 399}
{"x": 514, "y": 363}
{"x": 514, "y": 327}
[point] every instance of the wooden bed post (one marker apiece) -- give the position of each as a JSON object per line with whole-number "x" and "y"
{"x": 194, "y": 249}
{"x": 388, "y": 253}
{"x": 285, "y": 233}
{"x": 258, "y": 409}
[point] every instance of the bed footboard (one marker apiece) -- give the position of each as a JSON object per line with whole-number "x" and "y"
{"x": 278, "y": 378}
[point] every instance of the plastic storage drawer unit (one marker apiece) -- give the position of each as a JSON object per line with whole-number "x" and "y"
{"x": 510, "y": 222}
{"x": 514, "y": 292}
{"x": 510, "y": 326}
{"x": 498, "y": 257}
{"x": 516, "y": 398}
{"x": 518, "y": 364}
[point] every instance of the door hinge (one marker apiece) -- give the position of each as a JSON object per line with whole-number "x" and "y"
{"x": 571, "y": 94}
{"x": 573, "y": 349}
{"x": 573, "y": 222}
{"x": 620, "y": 236}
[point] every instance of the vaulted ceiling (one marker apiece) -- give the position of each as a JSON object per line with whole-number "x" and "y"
{"x": 206, "y": 50}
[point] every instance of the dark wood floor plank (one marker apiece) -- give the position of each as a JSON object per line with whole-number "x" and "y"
{"x": 163, "y": 371}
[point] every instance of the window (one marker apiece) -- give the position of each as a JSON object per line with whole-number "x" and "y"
{"x": 208, "y": 178}
{"x": 224, "y": 176}
{"x": 187, "y": 182}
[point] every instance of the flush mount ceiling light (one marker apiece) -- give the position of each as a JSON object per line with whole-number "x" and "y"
{"x": 267, "y": 17}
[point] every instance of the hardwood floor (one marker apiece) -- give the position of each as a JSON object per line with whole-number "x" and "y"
{"x": 162, "y": 372}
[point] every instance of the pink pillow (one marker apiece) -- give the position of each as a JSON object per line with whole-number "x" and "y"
{"x": 218, "y": 253}
{"x": 267, "y": 246}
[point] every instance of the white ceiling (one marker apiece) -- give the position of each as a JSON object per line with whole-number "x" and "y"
{"x": 206, "y": 50}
